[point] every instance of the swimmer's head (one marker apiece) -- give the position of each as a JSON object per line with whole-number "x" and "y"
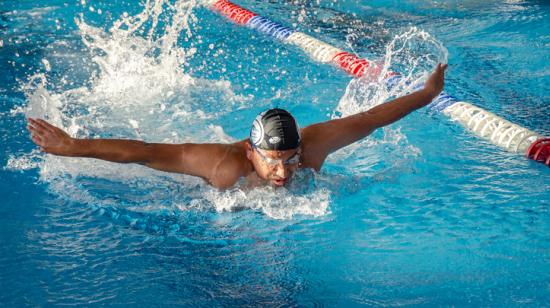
{"x": 275, "y": 130}
{"x": 274, "y": 147}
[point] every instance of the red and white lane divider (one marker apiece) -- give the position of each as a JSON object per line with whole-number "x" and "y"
{"x": 484, "y": 124}
{"x": 314, "y": 48}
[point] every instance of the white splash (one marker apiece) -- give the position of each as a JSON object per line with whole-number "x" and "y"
{"x": 413, "y": 54}
{"x": 139, "y": 89}
{"x": 309, "y": 195}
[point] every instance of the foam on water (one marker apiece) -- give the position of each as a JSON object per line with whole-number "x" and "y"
{"x": 278, "y": 203}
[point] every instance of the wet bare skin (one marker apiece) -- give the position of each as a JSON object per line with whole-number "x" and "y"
{"x": 223, "y": 165}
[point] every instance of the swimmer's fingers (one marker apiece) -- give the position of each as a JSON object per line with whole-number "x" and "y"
{"x": 43, "y": 125}
{"x": 35, "y": 128}
{"x": 37, "y": 134}
{"x": 54, "y": 130}
{"x": 439, "y": 71}
{"x": 35, "y": 125}
{"x": 441, "y": 68}
{"x": 37, "y": 140}
{"x": 436, "y": 81}
{"x": 47, "y": 125}
{"x": 46, "y": 130}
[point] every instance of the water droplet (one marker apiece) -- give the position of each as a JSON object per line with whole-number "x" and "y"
{"x": 46, "y": 65}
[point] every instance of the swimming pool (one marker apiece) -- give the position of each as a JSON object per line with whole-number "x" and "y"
{"x": 420, "y": 213}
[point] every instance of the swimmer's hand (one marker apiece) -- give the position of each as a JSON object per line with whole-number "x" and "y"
{"x": 49, "y": 138}
{"x": 434, "y": 84}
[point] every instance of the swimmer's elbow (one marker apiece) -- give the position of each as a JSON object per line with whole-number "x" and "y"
{"x": 145, "y": 155}
{"x": 164, "y": 157}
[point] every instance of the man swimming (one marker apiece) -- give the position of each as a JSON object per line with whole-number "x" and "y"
{"x": 275, "y": 150}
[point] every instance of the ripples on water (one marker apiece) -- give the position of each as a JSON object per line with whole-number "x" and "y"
{"x": 419, "y": 213}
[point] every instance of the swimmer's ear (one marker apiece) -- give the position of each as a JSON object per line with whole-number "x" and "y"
{"x": 248, "y": 151}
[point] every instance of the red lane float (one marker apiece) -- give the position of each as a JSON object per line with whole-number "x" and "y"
{"x": 234, "y": 12}
{"x": 358, "y": 67}
{"x": 540, "y": 151}
{"x": 351, "y": 63}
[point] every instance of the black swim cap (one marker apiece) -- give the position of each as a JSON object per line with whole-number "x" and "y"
{"x": 275, "y": 130}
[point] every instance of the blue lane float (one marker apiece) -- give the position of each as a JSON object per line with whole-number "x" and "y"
{"x": 269, "y": 27}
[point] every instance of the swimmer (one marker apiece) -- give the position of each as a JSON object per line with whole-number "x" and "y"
{"x": 277, "y": 147}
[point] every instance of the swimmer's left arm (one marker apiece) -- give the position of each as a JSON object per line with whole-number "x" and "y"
{"x": 330, "y": 136}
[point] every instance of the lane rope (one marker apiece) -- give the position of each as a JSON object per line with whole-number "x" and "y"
{"x": 482, "y": 123}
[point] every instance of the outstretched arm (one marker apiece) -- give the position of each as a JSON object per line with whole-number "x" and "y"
{"x": 330, "y": 136}
{"x": 192, "y": 159}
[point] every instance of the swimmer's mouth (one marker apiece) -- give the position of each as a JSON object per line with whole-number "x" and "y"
{"x": 279, "y": 182}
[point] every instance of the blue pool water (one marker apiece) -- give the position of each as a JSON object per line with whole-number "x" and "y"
{"x": 420, "y": 213}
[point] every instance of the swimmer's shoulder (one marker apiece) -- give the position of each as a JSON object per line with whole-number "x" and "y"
{"x": 230, "y": 165}
{"x": 313, "y": 156}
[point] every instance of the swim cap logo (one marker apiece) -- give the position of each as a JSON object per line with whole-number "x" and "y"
{"x": 257, "y": 132}
{"x": 274, "y": 140}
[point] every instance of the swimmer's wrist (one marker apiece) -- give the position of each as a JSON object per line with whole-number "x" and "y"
{"x": 77, "y": 147}
{"x": 430, "y": 94}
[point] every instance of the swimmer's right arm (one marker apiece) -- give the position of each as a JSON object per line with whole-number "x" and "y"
{"x": 329, "y": 136}
{"x": 192, "y": 159}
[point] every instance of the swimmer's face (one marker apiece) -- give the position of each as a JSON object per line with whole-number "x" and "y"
{"x": 276, "y": 167}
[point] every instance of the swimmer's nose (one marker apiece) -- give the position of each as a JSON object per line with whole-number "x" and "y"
{"x": 282, "y": 171}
